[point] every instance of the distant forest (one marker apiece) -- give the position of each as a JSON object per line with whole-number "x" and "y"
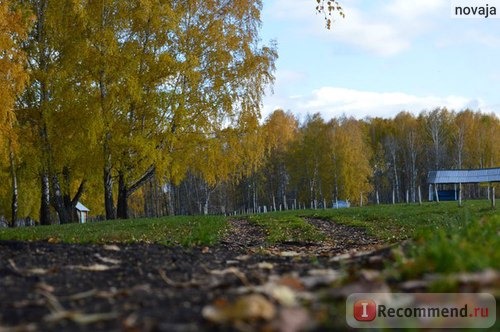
{"x": 317, "y": 162}
{"x": 151, "y": 108}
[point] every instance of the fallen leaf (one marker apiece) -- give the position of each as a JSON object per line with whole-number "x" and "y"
{"x": 45, "y": 287}
{"x": 320, "y": 277}
{"x": 246, "y": 308}
{"x": 231, "y": 270}
{"x": 53, "y": 240}
{"x": 33, "y": 271}
{"x": 177, "y": 284}
{"x": 294, "y": 319}
{"x": 370, "y": 275}
{"x": 111, "y": 247}
{"x": 80, "y": 318}
{"x": 94, "y": 267}
{"x": 107, "y": 259}
{"x": 265, "y": 266}
{"x": 292, "y": 282}
{"x": 283, "y": 294}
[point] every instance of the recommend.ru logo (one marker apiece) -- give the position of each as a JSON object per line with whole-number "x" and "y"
{"x": 421, "y": 310}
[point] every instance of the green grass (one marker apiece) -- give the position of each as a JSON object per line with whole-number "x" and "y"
{"x": 393, "y": 223}
{"x": 286, "y": 227}
{"x": 185, "y": 231}
{"x": 447, "y": 238}
{"x": 471, "y": 245}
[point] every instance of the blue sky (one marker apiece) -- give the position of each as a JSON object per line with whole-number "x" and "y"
{"x": 382, "y": 58}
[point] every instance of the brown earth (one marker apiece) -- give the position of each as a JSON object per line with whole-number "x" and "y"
{"x": 241, "y": 284}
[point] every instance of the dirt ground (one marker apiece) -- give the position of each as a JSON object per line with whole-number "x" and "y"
{"x": 241, "y": 284}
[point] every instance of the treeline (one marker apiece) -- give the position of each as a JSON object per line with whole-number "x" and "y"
{"x": 318, "y": 162}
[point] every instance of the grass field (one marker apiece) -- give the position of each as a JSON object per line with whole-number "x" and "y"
{"x": 446, "y": 237}
{"x": 179, "y": 230}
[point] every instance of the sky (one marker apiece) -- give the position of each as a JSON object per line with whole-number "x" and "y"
{"x": 382, "y": 58}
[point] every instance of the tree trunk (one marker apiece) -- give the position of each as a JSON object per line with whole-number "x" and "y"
{"x": 122, "y": 204}
{"x": 108, "y": 194}
{"x": 69, "y": 202}
{"x": 124, "y": 190}
{"x": 396, "y": 181}
{"x": 15, "y": 191}
{"x": 58, "y": 202}
{"x": 45, "y": 199}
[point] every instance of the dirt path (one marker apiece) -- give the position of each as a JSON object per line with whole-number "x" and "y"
{"x": 144, "y": 287}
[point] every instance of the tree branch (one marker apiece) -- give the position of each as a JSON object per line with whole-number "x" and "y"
{"x": 150, "y": 172}
{"x": 78, "y": 194}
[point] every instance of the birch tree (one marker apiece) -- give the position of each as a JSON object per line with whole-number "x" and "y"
{"x": 280, "y": 131}
{"x": 14, "y": 25}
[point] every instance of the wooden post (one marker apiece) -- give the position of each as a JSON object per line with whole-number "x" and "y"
{"x": 459, "y": 194}
{"x": 493, "y": 203}
{"x": 419, "y": 196}
{"x": 407, "y": 196}
{"x": 436, "y": 193}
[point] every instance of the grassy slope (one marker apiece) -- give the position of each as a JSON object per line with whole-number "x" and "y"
{"x": 186, "y": 231}
{"x": 447, "y": 238}
{"x": 393, "y": 223}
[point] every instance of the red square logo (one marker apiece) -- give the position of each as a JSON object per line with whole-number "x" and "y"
{"x": 365, "y": 310}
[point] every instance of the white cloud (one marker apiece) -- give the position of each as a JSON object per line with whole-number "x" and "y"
{"x": 389, "y": 29}
{"x": 336, "y": 101}
{"x": 416, "y": 10}
{"x": 372, "y": 35}
{"x": 384, "y": 29}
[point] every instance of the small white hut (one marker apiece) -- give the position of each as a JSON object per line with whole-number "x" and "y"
{"x": 82, "y": 212}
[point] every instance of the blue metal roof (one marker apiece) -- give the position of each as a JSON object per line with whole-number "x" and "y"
{"x": 465, "y": 176}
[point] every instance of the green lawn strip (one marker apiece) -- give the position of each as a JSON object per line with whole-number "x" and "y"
{"x": 185, "y": 231}
{"x": 393, "y": 223}
{"x": 447, "y": 238}
{"x": 473, "y": 245}
{"x": 283, "y": 227}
